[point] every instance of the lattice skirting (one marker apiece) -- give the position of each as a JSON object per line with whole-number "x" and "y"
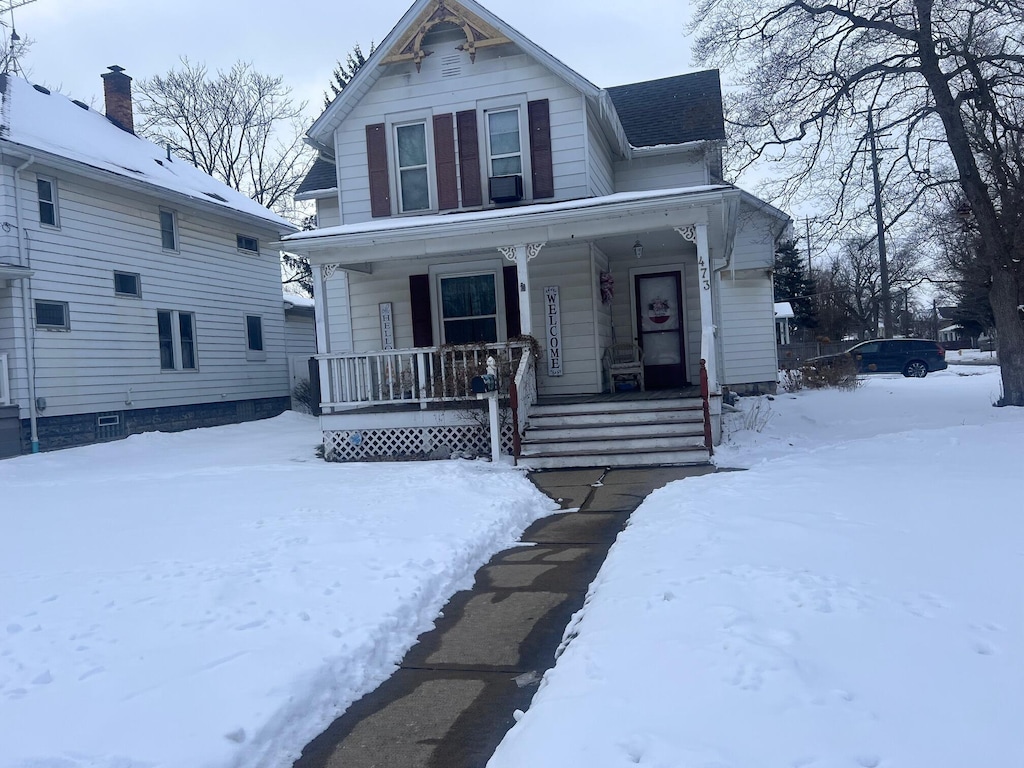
{"x": 413, "y": 443}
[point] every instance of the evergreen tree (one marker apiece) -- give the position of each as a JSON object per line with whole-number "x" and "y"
{"x": 345, "y": 71}
{"x": 792, "y": 284}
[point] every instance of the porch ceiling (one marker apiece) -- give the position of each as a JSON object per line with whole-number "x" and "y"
{"x": 622, "y": 216}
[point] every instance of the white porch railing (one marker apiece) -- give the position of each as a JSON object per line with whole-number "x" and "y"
{"x": 420, "y": 376}
{"x": 523, "y": 394}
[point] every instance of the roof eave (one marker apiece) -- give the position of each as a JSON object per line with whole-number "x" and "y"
{"x": 455, "y": 233}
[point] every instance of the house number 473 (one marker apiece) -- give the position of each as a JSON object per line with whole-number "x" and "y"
{"x": 705, "y": 283}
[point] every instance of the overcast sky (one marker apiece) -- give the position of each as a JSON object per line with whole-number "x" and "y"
{"x": 76, "y": 40}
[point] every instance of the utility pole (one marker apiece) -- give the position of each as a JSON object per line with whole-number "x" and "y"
{"x": 807, "y": 228}
{"x": 883, "y": 264}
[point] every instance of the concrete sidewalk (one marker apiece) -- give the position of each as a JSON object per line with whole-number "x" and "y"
{"x": 451, "y": 701}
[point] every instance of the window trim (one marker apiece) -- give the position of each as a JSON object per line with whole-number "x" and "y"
{"x": 65, "y": 308}
{"x": 251, "y": 354}
{"x": 177, "y": 348}
{"x": 438, "y": 272}
{"x": 392, "y": 124}
{"x": 248, "y": 251}
{"x": 138, "y": 285}
{"x": 504, "y": 104}
{"x": 174, "y": 230}
{"x": 53, "y": 202}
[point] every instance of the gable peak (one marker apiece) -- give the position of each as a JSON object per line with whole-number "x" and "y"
{"x": 444, "y": 14}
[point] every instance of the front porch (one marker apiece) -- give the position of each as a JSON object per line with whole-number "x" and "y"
{"x": 418, "y": 404}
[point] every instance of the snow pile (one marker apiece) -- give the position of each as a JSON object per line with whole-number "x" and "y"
{"x": 217, "y": 597}
{"x": 856, "y": 603}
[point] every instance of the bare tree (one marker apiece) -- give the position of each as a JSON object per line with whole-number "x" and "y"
{"x": 945, "y": 82}
{"x": 239, "y": 126}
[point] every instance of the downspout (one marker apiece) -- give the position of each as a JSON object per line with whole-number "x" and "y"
{"x": 26, "y": 313}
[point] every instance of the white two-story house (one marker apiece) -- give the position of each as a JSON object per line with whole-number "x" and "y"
{"x": 477, "y": 197}
{"x": 137, "y": 293}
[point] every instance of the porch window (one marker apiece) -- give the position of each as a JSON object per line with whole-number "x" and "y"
{"x": 503, "y": 144}
{"x": 469, "y": 309}
{"x": 413, "y": 174}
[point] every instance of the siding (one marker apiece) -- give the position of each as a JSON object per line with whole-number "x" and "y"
{"x": 660, "y": 172}
{"x": 299, "y": 335}
{"x": 747, "y": 329}
{"x": 328, "y": 214}
{"x": 494, "y": 74}
{"x": 112, "y": 348}
{"x": 599, "y": 159}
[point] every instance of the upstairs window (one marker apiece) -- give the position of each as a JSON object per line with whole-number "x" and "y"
{"x": 413, "y": 171}
{"x": 168, "y": 230}
{"x": 177, "y": 334}
{"x": 504, "y": 148}
{"x": 248, "y": 244}
{"x": 47, "y": 189}
{"x": 127, "y": 284}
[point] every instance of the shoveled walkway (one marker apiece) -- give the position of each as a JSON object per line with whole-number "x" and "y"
{"x": 452, "y": 699}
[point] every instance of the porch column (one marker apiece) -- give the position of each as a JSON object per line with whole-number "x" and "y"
{"x": 321, "y": 273}
{"x": 698, "y": 234}
{"x": 521, "y": 255}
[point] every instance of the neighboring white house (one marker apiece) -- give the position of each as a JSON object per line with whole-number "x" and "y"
{"x": 136, "y": 292}
{"x": 783, "y": 314}
{"x": 472, "y": 188}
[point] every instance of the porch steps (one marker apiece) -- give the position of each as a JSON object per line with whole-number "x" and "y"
{"x": 612, "y": 433}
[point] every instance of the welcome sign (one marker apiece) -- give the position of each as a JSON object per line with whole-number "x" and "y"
{"x": 553, "y": 330}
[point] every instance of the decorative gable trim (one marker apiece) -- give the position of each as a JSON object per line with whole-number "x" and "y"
{"x": 479, "y": 34}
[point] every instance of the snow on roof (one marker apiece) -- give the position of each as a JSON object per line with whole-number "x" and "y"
{"x": 53, "y": 123}
{"x": 298, "y": 301}
{"x": 783, "y": 310}
{"x": 396, "y": 223}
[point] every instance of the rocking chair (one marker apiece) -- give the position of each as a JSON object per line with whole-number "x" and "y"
{"x": 624, "y": 364}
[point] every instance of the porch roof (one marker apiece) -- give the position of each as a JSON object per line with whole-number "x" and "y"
{"x": 567, "y": 221}
{"x": 14, "y": 272}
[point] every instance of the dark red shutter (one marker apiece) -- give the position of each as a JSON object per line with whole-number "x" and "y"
{"x": 540, "y": 149}
{"x": 422, "y": 325}
{"x": 512, "y": 326}
{"x": 444, "y": 162}
{"x": 469, "y": 158}
{"x": 377, "y": 166}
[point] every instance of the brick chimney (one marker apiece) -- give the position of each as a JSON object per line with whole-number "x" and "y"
{"x": 117, "y": 95}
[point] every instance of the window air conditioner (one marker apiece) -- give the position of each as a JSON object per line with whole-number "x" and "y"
{"x": 505, "y": 189}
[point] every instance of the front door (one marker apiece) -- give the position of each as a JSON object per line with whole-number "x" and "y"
{"x": 659, "y": 325}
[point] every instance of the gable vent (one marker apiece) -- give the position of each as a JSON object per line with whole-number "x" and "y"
{"x": 451, "y": 65}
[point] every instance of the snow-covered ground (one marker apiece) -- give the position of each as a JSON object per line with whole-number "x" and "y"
{"x": 854, "y": 600}
{"x": 212, "y": 598}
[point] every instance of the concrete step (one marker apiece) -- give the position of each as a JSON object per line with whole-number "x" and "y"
{"x": 558, "y": 419}
{"x": 581, "y": 444}
{"x": 688, "y": 457}
{"x": 616, "y": 406}
{"x": 671, "y": 427}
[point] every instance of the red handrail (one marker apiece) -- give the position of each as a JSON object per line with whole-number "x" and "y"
{"x": 705, "y": 395}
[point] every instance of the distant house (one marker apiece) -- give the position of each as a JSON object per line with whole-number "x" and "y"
{"x": 477, "y": 197}
{"x": 136, "y": 292}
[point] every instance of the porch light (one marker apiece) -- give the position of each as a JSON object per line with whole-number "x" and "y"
{"x": 638, "y": 249}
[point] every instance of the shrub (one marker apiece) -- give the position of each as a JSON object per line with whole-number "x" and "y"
{"x": 839, "y": 373}
{"x": 303, "y": 395}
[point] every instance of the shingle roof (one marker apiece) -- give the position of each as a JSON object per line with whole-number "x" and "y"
{"x": 672, "y": 110}
{"x": 321, "y": 176}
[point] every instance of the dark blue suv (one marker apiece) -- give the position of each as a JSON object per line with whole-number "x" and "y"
{"x": 911, "y": 357}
